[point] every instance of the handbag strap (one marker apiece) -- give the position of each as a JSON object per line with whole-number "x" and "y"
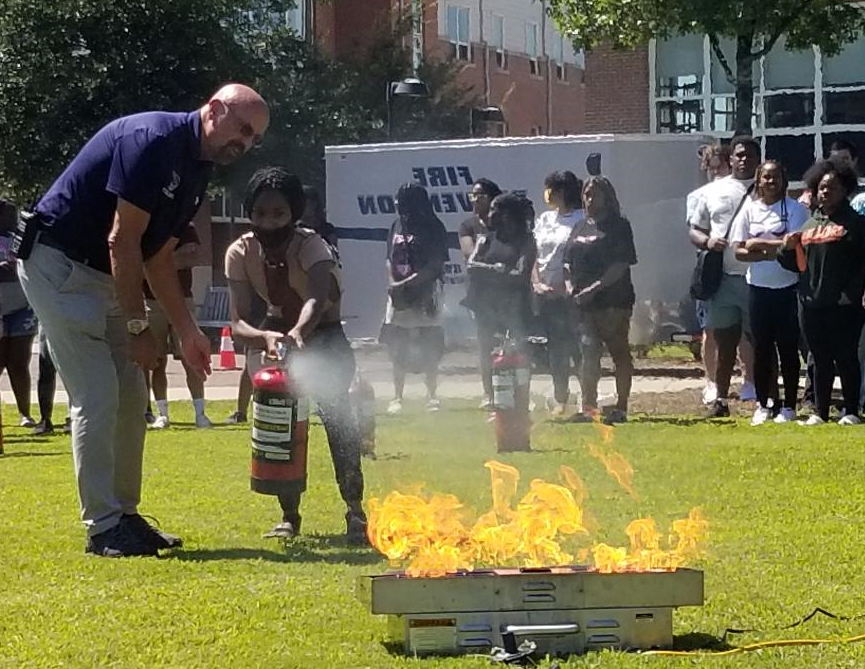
{"x": 738, "y": 209}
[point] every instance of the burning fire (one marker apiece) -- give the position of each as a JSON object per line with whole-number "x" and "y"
{"x": 434, "y": 535}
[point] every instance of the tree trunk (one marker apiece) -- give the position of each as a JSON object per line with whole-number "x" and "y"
{"x": 744, "y": 84}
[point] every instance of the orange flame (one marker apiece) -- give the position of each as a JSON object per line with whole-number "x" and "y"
{"x": 615, "y": 463}
{"x": 433, "y": 536}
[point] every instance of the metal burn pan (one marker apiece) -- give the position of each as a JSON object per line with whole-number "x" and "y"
{"x": 564, "y": 610}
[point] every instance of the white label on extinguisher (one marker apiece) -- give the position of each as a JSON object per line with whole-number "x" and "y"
{"x": 503, "y": 390}
{"x": 523, "y": 376}
{"x": 271, "y": 414}
{"x": 302, "y": 410}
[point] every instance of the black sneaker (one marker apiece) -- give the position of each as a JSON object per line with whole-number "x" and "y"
{"x": 119, "y": 541}
{"x": 43, "y": 428}
{"x": 355, "y": 532}
{"x": 719, "y": 409}
{"x": 149, "y": 534}
{"x": 236, "y": 418}
{"x": 615, "y": 417}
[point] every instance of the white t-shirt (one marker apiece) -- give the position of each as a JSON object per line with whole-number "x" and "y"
{"x": 713, "y": 210}
{"x": 762, "y": 221}
{"x": 552, "y": 232}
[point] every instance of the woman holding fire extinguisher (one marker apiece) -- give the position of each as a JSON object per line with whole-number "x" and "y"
{"x": 297, "y": 274}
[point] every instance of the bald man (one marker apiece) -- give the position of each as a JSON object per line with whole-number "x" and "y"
{"x": 111, "y": 220}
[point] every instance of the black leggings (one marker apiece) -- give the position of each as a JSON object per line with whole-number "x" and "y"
{"x": 775, "y": 328}
{"x": 833, "y": 337}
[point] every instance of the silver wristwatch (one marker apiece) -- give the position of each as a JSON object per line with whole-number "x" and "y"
{"x": 135, "y": 326}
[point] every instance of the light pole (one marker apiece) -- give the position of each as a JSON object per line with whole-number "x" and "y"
{"x": 484, "y": 115}
{"x": 410, "y": 87}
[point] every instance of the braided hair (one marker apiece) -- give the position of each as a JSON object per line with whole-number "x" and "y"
{"x": 280, "y": 180}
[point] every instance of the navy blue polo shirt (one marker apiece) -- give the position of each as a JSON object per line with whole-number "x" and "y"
{"x": 152, "y": 160}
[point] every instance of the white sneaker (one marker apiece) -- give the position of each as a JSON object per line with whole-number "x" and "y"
{"x": 786, "y": 415}
{"x": 433, "y": 405}
{"x": 761, "y": 415}
{"x": 394, "y": 407}
{"x": 748, "y": 392}
{"x": 160, "y": 423}
{"x": 813, "y": 419}
{"x": 486, "y": 404}
{"x": 710, "y": 393}
{"x": 850, "y": 419}
{"x": 203, "y": 422}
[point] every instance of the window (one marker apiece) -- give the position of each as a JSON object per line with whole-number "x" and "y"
{"x": 532, "y": 48}
{"x": 458, "y": 32}
{"x": 295, "y": 18}
{"x": 559, "y": 57}
{"x": 497, "y": 41}
{"x": 802, "y": 99}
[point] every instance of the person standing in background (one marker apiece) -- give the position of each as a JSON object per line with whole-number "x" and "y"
{"x": 598, "y": 261}
{"x": 417, "y": 249}
{"x": 758, "y": 239}
{"x": 553, "y": 228}
{"x": 19, "y": 322}
{"x": 483, "y": 193}
{"x": 315, "y": 216}
{"x": 166, "y": 339}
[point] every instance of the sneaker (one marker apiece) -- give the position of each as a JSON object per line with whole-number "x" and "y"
{"x": 710, "y": 393}
{"x": 558, "y": 410}
{"x": 615, "y": 417}
{"x": 119, "y": 541}
{"x": 67, "y": 425}
{"x": 813, "y": 419}
{"x": 850, "y": 419}
{"x": 149, "y": 418}
{"x": 433, "y": 405}
{"x": 355, "y": 529}
{"x": 761, "y": 415}
{"x": 149, "y": 534}
{"x": 582, "y": 417}
{"x": 236, "y": 418}
{"x": 160, "y": 423}
{"x": 286, "y": 530}
{"x": 719, "y": 409}
{"x": 486, "y": 404}
{"x": 748, "y": 392}
{"x": 43, "y": 428}
{"x": 785, "y": 415}
{"x": 203, "y": 422}
{"x": 394, "y": 407}
{"x": 26, "y": 421}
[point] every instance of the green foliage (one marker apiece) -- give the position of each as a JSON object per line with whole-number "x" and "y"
{"x": 70, "y": 66}
{"x": 784, "y": 503}
{"x": 754, "y": 26}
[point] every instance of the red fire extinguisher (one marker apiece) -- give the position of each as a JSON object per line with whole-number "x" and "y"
{"x": 362, "y": 398}
{"x": 280, "y": 432}
{"x": 511, "y": 376}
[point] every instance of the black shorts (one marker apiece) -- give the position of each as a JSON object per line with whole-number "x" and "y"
{"x": 414, "y": 348}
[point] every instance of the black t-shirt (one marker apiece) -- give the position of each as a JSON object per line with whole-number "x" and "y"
{"x": 593, "y": 247}
{"x": 497, "y": 292}
{"x": 409, "y": 250}
{"x": 472, "y": 227}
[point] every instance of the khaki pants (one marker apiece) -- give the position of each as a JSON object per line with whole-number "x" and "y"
{"x": 86, "y": 334}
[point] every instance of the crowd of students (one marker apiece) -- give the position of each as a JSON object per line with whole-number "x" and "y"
{"x": 563, "y": 276}
{"x": 792, "y": 285}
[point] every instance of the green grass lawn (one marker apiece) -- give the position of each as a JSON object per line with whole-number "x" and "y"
{"x": 786, "y": 507}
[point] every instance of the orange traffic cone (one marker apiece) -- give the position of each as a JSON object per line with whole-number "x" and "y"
{"x": 227, "y": 358}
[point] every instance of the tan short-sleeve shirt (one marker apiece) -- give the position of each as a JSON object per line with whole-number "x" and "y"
{"x": 245, "y": 260}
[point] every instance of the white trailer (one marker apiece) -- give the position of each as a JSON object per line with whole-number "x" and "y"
{"x": 652, "y": 175}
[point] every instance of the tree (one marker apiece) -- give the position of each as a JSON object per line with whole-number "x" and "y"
{"x": 755, "y": 26}
{"x": 70, "y": 66}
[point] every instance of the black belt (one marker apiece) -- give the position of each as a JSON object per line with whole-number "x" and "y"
{"x": 47, "y": 240}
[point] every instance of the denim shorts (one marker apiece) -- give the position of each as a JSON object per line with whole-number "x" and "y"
{"x": 21, "y": 323}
